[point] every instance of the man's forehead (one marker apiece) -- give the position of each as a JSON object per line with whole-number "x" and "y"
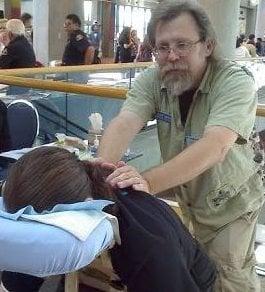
{"x": 182, "y": 26}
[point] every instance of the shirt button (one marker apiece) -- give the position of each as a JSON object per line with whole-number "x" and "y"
{"x": 189, "y": 204}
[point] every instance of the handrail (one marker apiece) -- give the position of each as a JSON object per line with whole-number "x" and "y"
{"x": 72, "y": 69}
{"x": 68, "y": 87}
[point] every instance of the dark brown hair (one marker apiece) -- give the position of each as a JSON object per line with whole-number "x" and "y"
{"x": 48, "y": 176}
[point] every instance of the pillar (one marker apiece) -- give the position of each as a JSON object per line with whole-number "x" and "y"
{"x": 49, "y": 35}
{"x": 12, "y": 8}
{"x": 224, "y": 15}
{"x": 260, "y": 24}
{"x": 108, "y": 28}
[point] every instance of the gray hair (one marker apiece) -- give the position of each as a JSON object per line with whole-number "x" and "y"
{"x": 16, "y": 27}
{"x": 168, "y": 10}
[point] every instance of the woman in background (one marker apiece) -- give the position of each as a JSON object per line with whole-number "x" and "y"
{"x": 145, "y": 53}
{"x": 136, "y": 43}
{"x": 241, "y": 50}
{"x": 126, "y": 44}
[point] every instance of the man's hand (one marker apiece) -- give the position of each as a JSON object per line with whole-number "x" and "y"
{"x": 127, "y": 176}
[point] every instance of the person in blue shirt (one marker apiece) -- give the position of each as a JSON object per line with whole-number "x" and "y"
{"x": 95, "y": 40}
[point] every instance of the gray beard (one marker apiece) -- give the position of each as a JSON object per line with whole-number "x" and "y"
{"x": 176, "y": 85}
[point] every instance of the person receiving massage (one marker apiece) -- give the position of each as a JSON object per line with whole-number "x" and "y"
{"x": 157, "y": 253}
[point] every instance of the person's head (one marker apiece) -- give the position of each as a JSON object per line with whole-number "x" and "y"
{"x": 251, "y": 37}
{"x": 15, "y": 28}
{"x": 125, "y": 35}
{"x": 134, "y": 33}
{"x": 242, "y": 36}
{"x": 239, "y": 42}
{"x": 48, "y": 176}
{"x": 26, "y": 18}
{"x": 72, "y": 23}
{"x": 184, "y": 40}
{"x": 95, "y": 27}
{"x": 259, "y": 40}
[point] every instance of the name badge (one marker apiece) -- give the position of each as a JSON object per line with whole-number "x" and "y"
{"x": 163, "y": 117}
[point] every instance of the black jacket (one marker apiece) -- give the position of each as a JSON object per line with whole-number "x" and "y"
{"x": 75, "y": 49}
{"x": 157, "y": 253}
{"x": 18, "y": 54}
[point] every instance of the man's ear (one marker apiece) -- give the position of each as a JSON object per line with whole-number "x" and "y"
{"x": 209, "y": 47}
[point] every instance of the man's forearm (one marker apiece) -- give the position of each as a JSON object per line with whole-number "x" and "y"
{"x": 118, "y": 136}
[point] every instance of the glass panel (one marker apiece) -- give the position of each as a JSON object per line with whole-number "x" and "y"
{"x": 147, "y": 18}
{"x": 87, "y": 10}
{"x": 121, "y": 17}
{"x": 128, "y": 16}
{"x": 138, "y": 21}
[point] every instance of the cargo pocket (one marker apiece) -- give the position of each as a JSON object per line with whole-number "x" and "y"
{"x": 217, "y": 198}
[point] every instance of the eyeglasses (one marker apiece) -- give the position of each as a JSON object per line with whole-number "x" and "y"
{"x": 182, "y": 48}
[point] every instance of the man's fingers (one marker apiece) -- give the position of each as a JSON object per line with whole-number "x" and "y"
{"x": 119, "y": 171}
{"x": 128, "y": 182}
{"x": 121, "y": 163}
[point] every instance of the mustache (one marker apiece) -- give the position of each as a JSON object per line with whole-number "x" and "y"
{"x": 165, "y": 69}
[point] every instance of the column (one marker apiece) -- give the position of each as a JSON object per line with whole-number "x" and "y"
{"x": 224, "y": 15}
{"x": 49, "y": 35}
{"x": 108, "y": 28}
{"x": 12, "y": 8}
{"x": 260, "y": 23}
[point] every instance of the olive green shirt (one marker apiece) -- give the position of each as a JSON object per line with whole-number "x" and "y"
{"x": 226, "y": 97}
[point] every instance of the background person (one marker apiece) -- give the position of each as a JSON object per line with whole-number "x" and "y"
{"x": 78, "y": 50}
{"x": 95, "y": 40}
{"x": 48, "y": 176}
{"x": 136, "y": 43}
{"x": 251, "y": 45}
{"x": 145, "y": 53}
{"x": 125, "y": 44}
{"x": 18, "y": 52}
{"x": 241, "y": 50}
{"x": 26, "y": 18}
{"x": 205, "y": 109}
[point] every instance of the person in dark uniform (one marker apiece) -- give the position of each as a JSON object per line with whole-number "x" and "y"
{"x": 78, "y": 50}
{"x": 18, "y": 52}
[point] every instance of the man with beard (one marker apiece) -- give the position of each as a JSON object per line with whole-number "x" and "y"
{"x": 205, "y": 110}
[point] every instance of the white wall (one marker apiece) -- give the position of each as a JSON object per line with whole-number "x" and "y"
{"x": 2, "y": 5}
{"x": 27, "y": 6}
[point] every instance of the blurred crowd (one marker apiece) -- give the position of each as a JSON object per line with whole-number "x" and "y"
{"x": 250, "y": 47}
